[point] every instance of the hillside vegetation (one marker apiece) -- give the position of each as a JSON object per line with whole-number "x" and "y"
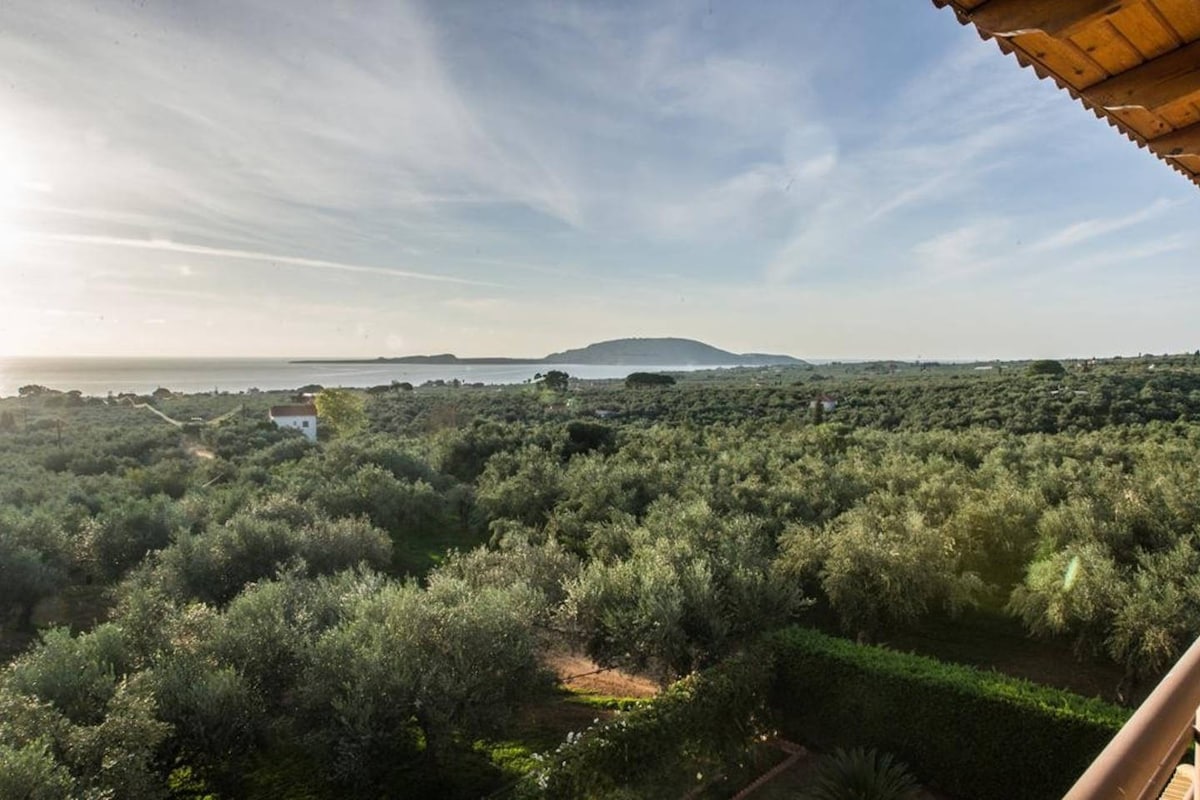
{"x": 663, "y": 351}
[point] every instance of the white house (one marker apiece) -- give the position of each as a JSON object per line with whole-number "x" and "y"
{"x": 301, "y": 417}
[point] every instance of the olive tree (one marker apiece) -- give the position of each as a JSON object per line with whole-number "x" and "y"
{"x": 1073, "y": 592}
{"x": 404, "y": 670}
{"x": 31, "y": 568}
{"x": 678, "y": 591}
{"x": 880, "y": 564}
{"x": 341, "y": 411}
{"x": 73, "y": 717}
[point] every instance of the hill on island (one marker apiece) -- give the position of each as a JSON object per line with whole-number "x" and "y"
{"x": 663, "y": 351}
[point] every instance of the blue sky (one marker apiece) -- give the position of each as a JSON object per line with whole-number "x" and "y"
{"x": 829, "y": 178}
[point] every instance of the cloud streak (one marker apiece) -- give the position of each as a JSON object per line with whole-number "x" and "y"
{"x": 166, "y": 246}
{"x": 1079, "y": 232}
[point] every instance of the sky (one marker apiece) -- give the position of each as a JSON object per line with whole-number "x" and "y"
{"x": 831, "y": 179}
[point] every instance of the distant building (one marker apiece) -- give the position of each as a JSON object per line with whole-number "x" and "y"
{"x": 827, "y": 403}
{"x": 301, "y": 417}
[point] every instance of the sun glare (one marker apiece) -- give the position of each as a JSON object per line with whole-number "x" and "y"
{"x": 15, "y": 183}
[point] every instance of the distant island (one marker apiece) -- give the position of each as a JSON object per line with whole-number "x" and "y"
{"x": 668, "y": 351}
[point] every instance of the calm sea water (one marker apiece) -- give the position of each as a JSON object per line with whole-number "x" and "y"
{"x": 99, "y": 376}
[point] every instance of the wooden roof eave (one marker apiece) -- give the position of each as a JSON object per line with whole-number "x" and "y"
{"x": 1005, "y": 20}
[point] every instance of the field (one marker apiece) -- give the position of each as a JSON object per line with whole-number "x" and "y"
{"x": 423, "y": 601}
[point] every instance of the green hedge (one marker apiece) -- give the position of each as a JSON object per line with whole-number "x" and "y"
{"x": 706, "y": 718}
{"x": 972, "y": 733}
{"x": 968, "y": 732}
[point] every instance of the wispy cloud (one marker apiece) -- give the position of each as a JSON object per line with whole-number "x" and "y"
{"x": 247, "y": 255}
{"x": 1141, "y": 256}
{"x": 935, "y": 140}
{"x": 1079, "y": 232}
{"x": 964, "y": 252}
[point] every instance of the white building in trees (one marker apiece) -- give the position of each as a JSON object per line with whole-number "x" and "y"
{"x": 301, "y": 417}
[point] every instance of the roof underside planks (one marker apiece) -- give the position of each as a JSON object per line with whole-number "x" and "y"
{"x": 1135, "y": 63}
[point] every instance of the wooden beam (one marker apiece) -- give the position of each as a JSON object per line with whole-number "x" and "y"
{"x": 1183, "y": 142}
{"x": 1152, "y": 85}
{"x": 1057, "y": 18}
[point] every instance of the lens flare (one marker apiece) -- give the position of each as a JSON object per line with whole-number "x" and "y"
{"x": 1071, "y": 574}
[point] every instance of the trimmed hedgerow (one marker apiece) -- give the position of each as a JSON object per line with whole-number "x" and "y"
{"x": 972, "y": 733}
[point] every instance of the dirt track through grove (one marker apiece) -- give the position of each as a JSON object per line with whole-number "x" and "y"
{"x": 579, "y": 673}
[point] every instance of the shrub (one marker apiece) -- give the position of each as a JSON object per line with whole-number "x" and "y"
{"x": 33, "y": 565}
{"x": 861, "y": 774}
{"x": 1047, "y": 367}
{"x": 32, "y": 772}
{"x": 122, "y": 536}
{"x": 584, "y": 437}
{"x": 76, "y": 675}
{"x": 215, "y": 565}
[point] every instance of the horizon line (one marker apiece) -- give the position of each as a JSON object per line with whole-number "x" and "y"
{"x": 385, "y": 358}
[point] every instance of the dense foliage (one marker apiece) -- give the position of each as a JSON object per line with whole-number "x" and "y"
{"x": 642, "y": 379}
{"x": 198, "y": 601}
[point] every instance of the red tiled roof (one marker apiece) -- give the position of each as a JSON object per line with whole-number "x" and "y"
{"x": 302, "y": 410}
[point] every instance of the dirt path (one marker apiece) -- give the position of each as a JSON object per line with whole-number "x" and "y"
{"x": 225, "y": 416}
{"x": 179, "y": 424}
{"x": 199, "y": 451}
{"x": 155, "y": 411}
{"x": 192, "y": 448}
{"x": 580, "y": 674}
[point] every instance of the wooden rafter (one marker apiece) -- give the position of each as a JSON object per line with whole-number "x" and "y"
{"x": 1180, "y": 143}
{"x": 1153, "y": 85}
{"x": 1058, "y": 18}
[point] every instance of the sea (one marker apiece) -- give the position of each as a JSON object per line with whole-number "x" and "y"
{"x": 99, "y": 376}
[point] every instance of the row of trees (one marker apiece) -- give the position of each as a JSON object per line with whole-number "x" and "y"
{"x": 1014, "y": 401}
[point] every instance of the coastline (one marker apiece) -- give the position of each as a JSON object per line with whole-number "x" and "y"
{"x": 436, "y": 360}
